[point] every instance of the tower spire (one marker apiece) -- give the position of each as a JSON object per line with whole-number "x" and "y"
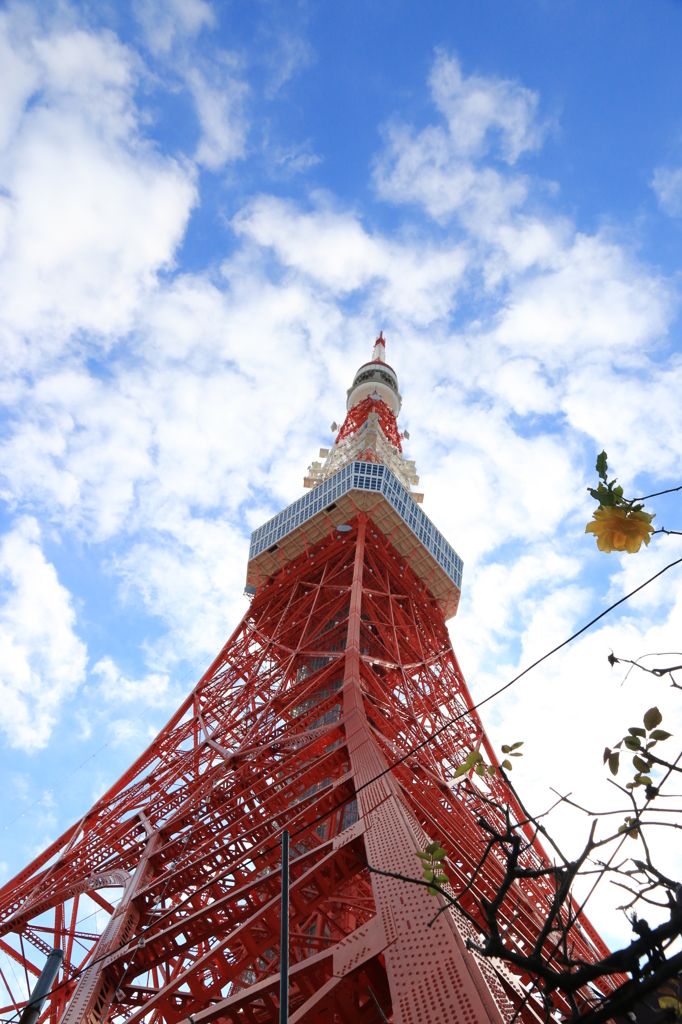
{"x": 379, "y": 353}
{"x": 370, "y": 430}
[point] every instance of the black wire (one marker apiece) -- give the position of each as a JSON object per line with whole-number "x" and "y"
{"x": 450, "y": 722}
{"x": 511, "y": 682}
{"x": 657, "y": 494}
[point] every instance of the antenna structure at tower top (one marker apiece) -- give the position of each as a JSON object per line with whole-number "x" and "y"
{"x": 370, "y": 430}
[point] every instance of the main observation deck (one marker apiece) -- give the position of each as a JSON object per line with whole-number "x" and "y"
{"x": 361, "y": 486}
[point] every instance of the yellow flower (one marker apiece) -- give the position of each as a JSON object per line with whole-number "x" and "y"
{"x": 619, "y": 530}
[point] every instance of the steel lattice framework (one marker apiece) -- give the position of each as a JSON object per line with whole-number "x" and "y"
{"x": 341, "y": 666}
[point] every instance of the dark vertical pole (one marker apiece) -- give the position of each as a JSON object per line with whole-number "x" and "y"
{"x": 42, "y": 987}
{"x": 284, "y": 941}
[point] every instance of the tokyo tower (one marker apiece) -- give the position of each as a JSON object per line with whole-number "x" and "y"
{"x": 313, "y": 719}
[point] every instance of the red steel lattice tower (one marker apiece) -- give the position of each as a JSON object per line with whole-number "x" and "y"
{"x": 341, "y": 666}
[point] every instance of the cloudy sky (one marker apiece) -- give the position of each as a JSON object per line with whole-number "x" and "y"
{"x": 207, "y": 212}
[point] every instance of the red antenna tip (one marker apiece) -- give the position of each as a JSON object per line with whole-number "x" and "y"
{"x": 379, "y": 348}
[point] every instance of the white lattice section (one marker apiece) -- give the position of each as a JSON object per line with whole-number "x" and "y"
{"x": 370, "y": 435}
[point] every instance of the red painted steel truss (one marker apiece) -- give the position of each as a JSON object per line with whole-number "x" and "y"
{"x": 358, "y": 415}
{"x": 341, "y": 666}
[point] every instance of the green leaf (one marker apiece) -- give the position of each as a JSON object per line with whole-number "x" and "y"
{"x": 480, "y": 769}
{"x": 440, "y": 854}
{"x": 491, "y": 769}
{"x": 515, "y": 745}
{"x": 632, "y": 742}
{"x": 602, "y": 465}
{"x": 640, "y": 765}
{"x": 428, "y": 875}
{"x": 472, "y": 758}
{"x": 442, "y": 879}
{"x": 629, "y": 826}
{"x": 423, "y": 856}
{"x": 614, "y": 762}
{"x": 507, "y": 764}
{"x": 643, "y": 780}
{"x": 637, "y": 730}
{"x": 652, "y": 718}
{"x": 432, "y": 892}
{"x": 660, "y": 734}
{"x": 432, "y": 847}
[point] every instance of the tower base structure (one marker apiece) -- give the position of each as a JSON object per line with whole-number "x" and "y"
{"x": 336, "y": 711}
{"x": 341, "y": 667}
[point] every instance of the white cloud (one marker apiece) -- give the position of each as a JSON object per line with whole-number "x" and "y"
{"x": 510, "y": 595}
{"x": 592, "y": 297}
{"x": 646, "y": 434}
{"x": 219, "y": 99}
{"x": 20, "y": 78}
{"x": 212, "y": 76}
{"x": 193, "y": 581}
{"x": 667, "y": 184}
{"x": 414, "y": 281}
{"x": 163, "y": 22}
{"x": 440, "y": 168}
{"x": 115, "y": 688}
{"x": 427, "y": 170}
{"x": 659, "y": 595}
{"x": 476, "y": 107}
{"x": 42, "y": 659}
{"x": 89, "y": 210}
{"x": 290, "y": 56}
{"x": 81, "y": 451}
{"x": 292, "y": 160}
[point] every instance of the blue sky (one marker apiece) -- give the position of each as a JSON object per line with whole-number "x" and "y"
{"x": 207, "y": 212}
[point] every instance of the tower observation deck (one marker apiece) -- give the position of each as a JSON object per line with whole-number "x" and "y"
{"x": 337, "y": 711}
{"x": 365, "y": 469}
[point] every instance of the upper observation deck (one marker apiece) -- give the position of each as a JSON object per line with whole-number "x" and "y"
{"x": 365, "y": 470}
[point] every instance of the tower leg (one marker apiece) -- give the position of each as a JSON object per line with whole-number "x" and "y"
{"x": 433, "y": 979}
{"x": 95, "y": 990}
